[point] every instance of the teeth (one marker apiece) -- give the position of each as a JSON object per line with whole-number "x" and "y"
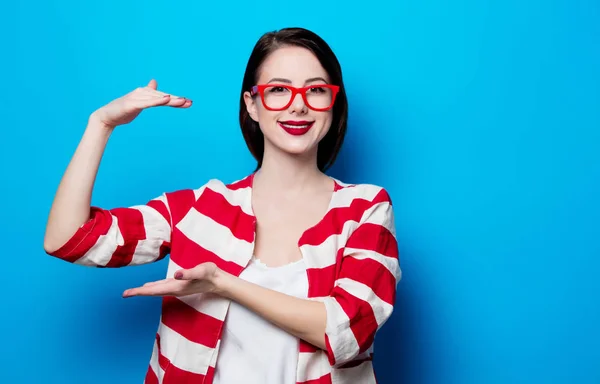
{"x": 295, "y": 126}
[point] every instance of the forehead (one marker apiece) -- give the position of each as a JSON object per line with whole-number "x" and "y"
{"x": 294, "y": 63}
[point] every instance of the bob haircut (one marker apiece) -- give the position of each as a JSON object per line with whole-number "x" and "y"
{"x": 330, "y": 145}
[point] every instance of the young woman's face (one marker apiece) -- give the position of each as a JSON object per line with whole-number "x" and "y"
{"x": 297, "y": 129}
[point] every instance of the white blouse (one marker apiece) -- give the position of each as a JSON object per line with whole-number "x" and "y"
{"x": 252, "y": 350}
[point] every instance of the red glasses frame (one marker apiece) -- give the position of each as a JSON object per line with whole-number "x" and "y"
{"x": 260, "y": 89}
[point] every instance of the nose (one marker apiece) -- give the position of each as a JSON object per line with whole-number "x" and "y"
{"x": 298, "y": 104}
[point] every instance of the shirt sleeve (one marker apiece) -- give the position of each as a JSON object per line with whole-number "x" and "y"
{"x": 120, "y": 237}
{"x": 365, "y": 290}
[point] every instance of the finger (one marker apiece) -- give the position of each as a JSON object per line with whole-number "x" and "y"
{"x": 196, "y": 273}
{"x": 151, "y": 283}
{"x": 187, "y": 104}
{"x": 154, "y": 92}
{"x": 152, "y": 102}
{"x": 168, "y": 288}
{"x": 153, "y": 84}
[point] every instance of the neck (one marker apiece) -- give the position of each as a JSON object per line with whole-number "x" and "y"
{"x": 283, "y": 172}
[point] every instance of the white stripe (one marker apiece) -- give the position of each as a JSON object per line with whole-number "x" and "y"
{"x": 390, "y": 263}
{"x": 236, "y": 197}
{"x": 163, "y": 198}
{"x": 198, "y": 192}
{"x": 344, "y": 197}
{"x": 341, "y": 338}
{"x": 381, "y": 309}
{"x": 158, "y": 230}
{"x": 209, "y": 304}
{"x": 101, "y": 252}
{"x": 215, "y": 238}
{"x": 158, "y": 371}
{"x": 183, "y": 353}
{"x": 213, "y": 360}
{"x": 312, "y": 365}
{"x": 323, "y": 255}
{"x": 380, "y": 214}
{"x": 362, "y": 374}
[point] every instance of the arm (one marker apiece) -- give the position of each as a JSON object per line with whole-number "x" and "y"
{"x": 79, "y": 233}
{"x": 302, "y": 318}
{"x": 362, "y": 300}
{"x": 71, "y": 206}
{"x": 345, "y": 323}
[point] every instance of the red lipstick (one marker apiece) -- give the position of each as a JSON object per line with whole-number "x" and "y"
{"x": 296, "y": 127}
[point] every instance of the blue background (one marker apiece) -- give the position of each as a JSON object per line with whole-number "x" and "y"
{"x": 481, "y": 118}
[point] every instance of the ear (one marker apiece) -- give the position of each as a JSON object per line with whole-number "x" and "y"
{"x": 251, "y": 106}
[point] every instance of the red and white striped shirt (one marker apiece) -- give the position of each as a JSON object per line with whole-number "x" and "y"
{"x": 352, "y": 266}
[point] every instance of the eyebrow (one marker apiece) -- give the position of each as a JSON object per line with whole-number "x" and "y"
{"x": 288, "y": 81}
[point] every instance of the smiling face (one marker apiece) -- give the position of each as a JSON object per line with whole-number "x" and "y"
{"x": 296, "y": 129}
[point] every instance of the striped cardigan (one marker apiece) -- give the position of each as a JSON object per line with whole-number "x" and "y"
{"x": 352, "y": 267}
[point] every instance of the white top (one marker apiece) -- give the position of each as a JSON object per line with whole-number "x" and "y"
{"x": 252, "y": 350}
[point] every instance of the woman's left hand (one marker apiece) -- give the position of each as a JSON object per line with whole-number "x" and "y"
{"x": 200, "y": 279}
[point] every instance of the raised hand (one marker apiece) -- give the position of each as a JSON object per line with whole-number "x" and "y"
{"x": 200, "y": 279}
{"x": 126, "y": 108}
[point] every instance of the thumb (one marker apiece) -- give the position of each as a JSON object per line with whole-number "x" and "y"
{"x": 152, "y": 84}
{"x": 184, "y": 274}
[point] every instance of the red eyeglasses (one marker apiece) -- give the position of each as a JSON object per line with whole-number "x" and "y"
{"x": 277, "y": 97}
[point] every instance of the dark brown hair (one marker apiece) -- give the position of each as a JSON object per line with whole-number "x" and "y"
{"x": 269, "y": 42}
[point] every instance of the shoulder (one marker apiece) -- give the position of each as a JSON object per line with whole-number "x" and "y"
{"x": 225, "y": 195}
{"x": 213, "y": 185}
{"x": 364, "y": 191}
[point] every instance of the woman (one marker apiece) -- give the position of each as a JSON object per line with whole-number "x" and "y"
{"x": 281, "y": 277}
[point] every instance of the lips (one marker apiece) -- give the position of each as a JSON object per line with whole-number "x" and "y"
{"x": 296, "y": 127}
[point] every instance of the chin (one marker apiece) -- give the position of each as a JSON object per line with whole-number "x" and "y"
{"x": 295, "y": 140}
{"x": 295, "y": 146}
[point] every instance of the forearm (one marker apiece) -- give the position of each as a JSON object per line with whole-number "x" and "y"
{"x": 71, "y": 206}
{"x": 302, "y": 318}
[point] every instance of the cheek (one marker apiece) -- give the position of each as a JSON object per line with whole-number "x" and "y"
{"x": 266, "y": 116}
{"x": 326, "y": 121}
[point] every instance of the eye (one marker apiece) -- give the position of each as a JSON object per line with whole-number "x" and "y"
{"x": 277, "y": 89}
{"x": 317, "y": 90}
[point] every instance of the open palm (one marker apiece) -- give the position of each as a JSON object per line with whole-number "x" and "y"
{"x": 199, "y": 279}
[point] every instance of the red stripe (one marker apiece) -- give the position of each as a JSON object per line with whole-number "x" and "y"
{"x": 321, "y": 281}
{"x": 163, "y": 362}
{"x": 357, "y": 362}
{"x": 179, "y": 203}
{"x": 215, "y": 206}
{"x": 161, "y": 208}
{"x": 164, "y": 250}
{"x": 175, "y": 375}
{"x": 321, "y": 380}
{"x": 243, "y": 183}
{"x": 329, "y": 351}
{"x": 333, "y": 222}
{"x": 210, "y": 375}
{"x": 151, "y": 377}
{"x": 189, "y": 323}
{"x": 362, "y": 318}
{"x": 374, "y": 237}
{"x": 86, "y": 236}
{"x": 373, "y": 274}
{"x": 191, "y": 254}
{"x": 131, "y": 225}
{"x": 307, "y": 347}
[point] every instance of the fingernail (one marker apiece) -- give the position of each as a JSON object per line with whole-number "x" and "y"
{"x": 178, "y": 275}
{"x": 166, "y": 96}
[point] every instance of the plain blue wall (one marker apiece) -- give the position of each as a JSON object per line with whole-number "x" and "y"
{"x": 480, "y": 117}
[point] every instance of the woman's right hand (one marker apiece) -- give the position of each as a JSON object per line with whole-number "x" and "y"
{"x": 126, "y": 108}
